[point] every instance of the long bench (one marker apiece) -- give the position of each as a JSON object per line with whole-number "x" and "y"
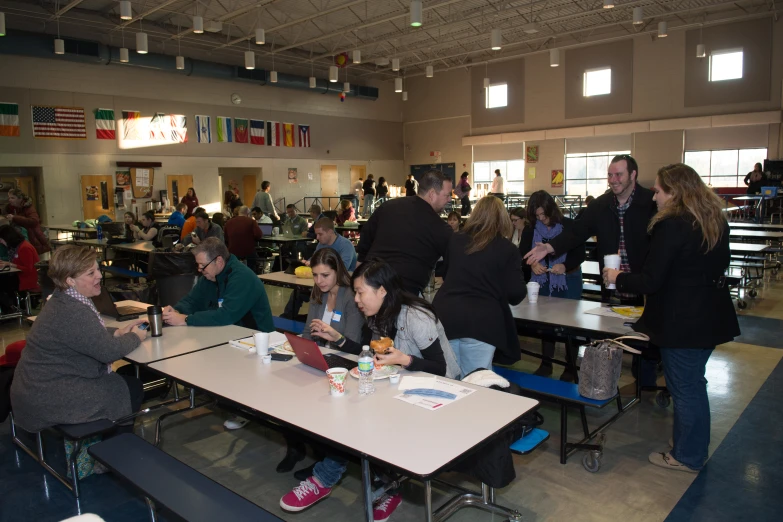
{"x": 168, "y": 482}
{"x": 566, "y": 394}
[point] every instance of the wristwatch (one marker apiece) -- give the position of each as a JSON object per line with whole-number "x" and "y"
{"x": 339, "y": 342}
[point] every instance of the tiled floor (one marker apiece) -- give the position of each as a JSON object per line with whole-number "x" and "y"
{"x": 740, "y": 481}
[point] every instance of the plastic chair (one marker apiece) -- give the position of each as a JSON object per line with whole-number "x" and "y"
{"x": 173, "y": 288}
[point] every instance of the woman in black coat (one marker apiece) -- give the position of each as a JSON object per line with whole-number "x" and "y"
{"x": 688, "y": 310}
{"x": 482, "y": 277}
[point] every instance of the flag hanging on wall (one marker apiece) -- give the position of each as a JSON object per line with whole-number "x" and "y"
{"x": 59, "y": 122}
{"x": 203, "y": 129}
{"x": 104, "y": 124}
{"x": 288, "y": 135}
{"x": 240, "y": 130}
{"x": 273, "y": 133}
{"x": 157, "y": 127}
{"x": 304, "y": 135}
{"x": 179, "y": 128}
{"x": 131, "y": 120}
{"x": 257, "y": 132}
{"x": 9, "y": 119}
{"x": 224, "y": 131}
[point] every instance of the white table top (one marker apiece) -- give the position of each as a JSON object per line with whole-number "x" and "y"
{"x": 591, "y": 268}
{"x": 138, "y": 246}
{"x": 754, "y": 226}
{"x": 284, "y": 239}
{"x": 747, "y": 247}
{"x": 765, "y": 234}
{"x": 378, "y": 425}
{"x": 569, "y": 313}
{"x": 283, "y": 279}
{"x": 70, "y": 228}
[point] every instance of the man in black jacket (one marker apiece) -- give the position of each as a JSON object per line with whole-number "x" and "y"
{"x": 408, "y": 233}
{"x": 618, "y": 219}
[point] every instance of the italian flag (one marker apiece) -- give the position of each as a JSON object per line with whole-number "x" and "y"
{"x": 104, "y": 124}
{"x": 9, "y": 119}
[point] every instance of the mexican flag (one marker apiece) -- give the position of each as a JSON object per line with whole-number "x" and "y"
{"x": 9, "y": 119}
{"x": 104, "y": 124}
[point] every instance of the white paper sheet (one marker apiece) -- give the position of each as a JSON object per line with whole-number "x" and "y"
{"x": 431, "y": 403}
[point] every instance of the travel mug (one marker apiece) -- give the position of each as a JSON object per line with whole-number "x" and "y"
{"x": 155, "y": 318}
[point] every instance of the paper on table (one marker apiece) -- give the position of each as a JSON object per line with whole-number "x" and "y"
{"x": 431, "y": 403}
{"x": 607, "y": 311}
{"x": 275, "y": 339}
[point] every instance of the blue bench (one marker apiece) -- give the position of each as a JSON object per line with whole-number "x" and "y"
{"x": 123, "y": 272}
{"x": 530, "y": 441}
{"x": 288, "y": 325}
{"x": 566, "y": 394}
{"x": 166, "y": 481}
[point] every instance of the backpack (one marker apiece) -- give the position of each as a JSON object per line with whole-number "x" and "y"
{"x": 172, "y": 231}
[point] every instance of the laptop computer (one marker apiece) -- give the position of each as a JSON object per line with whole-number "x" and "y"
{"x": 266, "y": 228}
{"x": 310, "y": 354}
{"x": 106, "y": 306}
{"x": 287, "y": 230}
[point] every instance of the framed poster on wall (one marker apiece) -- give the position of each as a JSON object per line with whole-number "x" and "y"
{"x": 531, "y": 154}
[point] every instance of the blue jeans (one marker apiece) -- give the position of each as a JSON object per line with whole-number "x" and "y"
{"x": 368, "y": 206}
{"x": 472, "y": 354}
{"x": 684, "y": 370}
{"x": 330, "y": 470}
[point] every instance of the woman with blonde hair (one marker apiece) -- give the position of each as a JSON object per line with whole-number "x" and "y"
{"x": 688, "y": 310}
{"x": 483, "y": 268}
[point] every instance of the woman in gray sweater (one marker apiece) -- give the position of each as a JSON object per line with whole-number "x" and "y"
{"x": 64, "y": 375}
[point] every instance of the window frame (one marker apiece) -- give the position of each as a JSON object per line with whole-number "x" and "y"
{"x": 586, "y": 180}
{"x": 584, "y": 82}
{"x": 511, "y": 186}
{"x": 739, "y": 176}
{"x": 487, "y": 95}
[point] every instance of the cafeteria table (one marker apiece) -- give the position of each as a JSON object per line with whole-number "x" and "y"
{"x": 285, "y": 240}
{"x": 70, "y": 232}
{"x": 355, "y": 423}
{"x": 754, "y": 226}
{"x": 287, "y": 280}
{"x": 757, "y": 235}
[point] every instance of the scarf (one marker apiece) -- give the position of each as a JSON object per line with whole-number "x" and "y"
{"x": 556, "y": 281}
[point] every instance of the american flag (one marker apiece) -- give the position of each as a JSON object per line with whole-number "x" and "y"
{"x": 59, "y": 122}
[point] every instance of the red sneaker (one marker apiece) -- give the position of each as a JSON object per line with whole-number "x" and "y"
{"x": 385, "y": 507}
{"x": 304, "y": 495}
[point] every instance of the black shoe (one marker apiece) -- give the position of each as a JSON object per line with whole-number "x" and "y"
{"x": 567, "y": 375}
{"x": 292, "y": 456}
{"x": 305, "y": 473}
{"x": 545, "y": 370}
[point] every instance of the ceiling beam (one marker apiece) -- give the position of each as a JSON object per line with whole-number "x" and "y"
{"x": 65, "y": 9}
{"x": 229, "y": 16}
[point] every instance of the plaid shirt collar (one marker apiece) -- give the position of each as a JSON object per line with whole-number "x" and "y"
{"x": 623, "y": 208}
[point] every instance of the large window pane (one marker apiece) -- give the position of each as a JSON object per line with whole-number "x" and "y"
{"x": 497, "y": 96}
{"x": 515, "y": 187}
{"x": 481, "y": 172}
{"x": 516, "y": 170}
{"x": 724, "y": 163}
{"x": 726, "y": 65}
{"x": 497, "y": 165}
{"x": 723, "y": 181}
{"x": 576, "y": 188}
{"x": 699, "y": 160}
{"x": 576, "y": 168}
{"x": 597, "y": 167}
{"x": 748, "y": 158}
{"x": 596, "y": 187}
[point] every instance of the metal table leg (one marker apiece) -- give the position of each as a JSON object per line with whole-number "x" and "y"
{"x": 367, "y": 489}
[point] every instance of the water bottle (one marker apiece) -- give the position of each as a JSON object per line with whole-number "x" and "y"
{"x": 366, "y": 371}
{"x": 99, "y": 229}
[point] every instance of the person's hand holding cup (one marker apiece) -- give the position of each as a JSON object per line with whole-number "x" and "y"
{"x": 611, "y": 261}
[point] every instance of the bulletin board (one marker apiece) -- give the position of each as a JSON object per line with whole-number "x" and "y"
{"x": 142, "y": 180}
{"x": 448, "y": 169}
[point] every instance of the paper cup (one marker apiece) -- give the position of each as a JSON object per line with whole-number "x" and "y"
{"x": 266, "y": 359}
{"x": 337, "y": 380}
{"x": 275, "y": 231}
{"x": 612, "y": 261}
{"x": 394, "y": 379}
{"x": 262, "y": 343}
{"x": 532, "y": 292}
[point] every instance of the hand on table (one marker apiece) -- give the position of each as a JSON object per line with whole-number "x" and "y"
{"x": 320, "y": 329}
{"x": 174, "y": 318}
{"x": 538, "y": 269}
{"x": 132, "y": 327}
{"x": 394, "y": 357}
{"x": 558, "y": 269}
{"x": 610, "y": 275}
{"x": 538, "y": 252}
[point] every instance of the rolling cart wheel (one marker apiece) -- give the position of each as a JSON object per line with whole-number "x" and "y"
{"x": 663, "y": 399}
{"x": 753, "y": 293}
{"x": 592, "y": 461}
{"x": 742, "y": 304}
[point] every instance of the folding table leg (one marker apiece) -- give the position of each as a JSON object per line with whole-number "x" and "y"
{"x": 563, "y": 431}
{"x": 367, "y": 489}
{"x": 428, "y": 501}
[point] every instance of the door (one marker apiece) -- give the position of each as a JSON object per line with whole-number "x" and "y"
{"x": 248, "y": 189}
{"x": 178, "y": 186}
{"x": 329, "y": 186}
{"x": 357, "y": 171}
{"x": 27, "y": 185}
{"x": 97, "y": 196}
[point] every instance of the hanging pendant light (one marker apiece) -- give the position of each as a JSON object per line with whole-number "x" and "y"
{"x": 260, "y": 36}
{"x": 333, "y": 73}
{"x": 126, "y": 13}
{"x": 662, "y": 28}
{"x": 608, "y": 4}
{"x": 486, "y": 83}
{"x": 701, "y": 52}
{"x": 180, "y": 63}
{"x": 404, "y": 95}
{"x": 141, "y": 43}
{"x": 124, "y": 55}
{"x": 554, "y": 57}
{"x": 395, "y": 64}
{"x": 495, "y": 39}
{"x": 59, "y": 46}
{"x": 273, "y": 76}
{"x": 312, "y": 82}
{"x": 638, "y": 15}
{"x": 430, "y": 71}
{"x": 198, "y": 24}
{"x": 398, "y": 84}
{"x": 416, "y": 13}
{"x": 346, "y": 87}
{"x": 357, "y": 56}
{"x": 2, "y": 24}
{"x": 250, "y": 60}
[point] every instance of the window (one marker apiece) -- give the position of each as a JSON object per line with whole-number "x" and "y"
{"x": 724, "y": 168}
{"x": 726, "y": 65}
{"x": 586, "y": 174}
{"x": 513, "y": 172}
{"x": 497, "y": 96}
{"x": 598, "y": 82}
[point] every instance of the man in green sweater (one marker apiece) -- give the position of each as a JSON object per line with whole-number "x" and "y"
{"x": 228, "y": 293}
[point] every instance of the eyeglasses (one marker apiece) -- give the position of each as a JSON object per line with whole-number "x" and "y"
{"x": 202, "y": 268}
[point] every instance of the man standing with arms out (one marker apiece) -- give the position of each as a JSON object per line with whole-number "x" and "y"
{"x": 411, "y": 186}
{"x": 498, "y": 188}
{"x": 227, "y": 293}
{"x": 241, "y": 234}
{"x": 263, "y": 200}
{"x": 408, "y": 233}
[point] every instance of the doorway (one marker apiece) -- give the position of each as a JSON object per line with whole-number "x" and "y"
{"x": 329, "y": 186}
{"x": 97, "y": 196}
{"x": 246, "y": 180}
{"x": 178, "y": 186}
{"x": 357, "y": 171}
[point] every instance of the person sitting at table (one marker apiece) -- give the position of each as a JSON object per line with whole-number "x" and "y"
{"x": 315, "y": 214}
{"x": 21, "y": 230}
{"x": 297, "y": 222}
{"x": 454, "y": 220}
{"x": 557, "y": 276}
{"x": 191, "y": 200}
{"x": 65, "y": 375}
{"x": 190, "y": 224}
{"x": 331, "y": 305}
{"x": 346, "y": 212}
{"x": 147, "y": 231}
{"x": 204, "y": 228}
{"x": 21, "y": 212}
{"x": 227, "y": 292}
{"x": 420, "y": 344}
{"x": 178, "y": 216}
{"x": 483, "y": 269}
{"x": 241, "y": 234}
{"x": 22, "y": 256}
{"x": 260, "y": 217}
{"x": 689, "y": 310}
{"x": 220, "y": 220}
{"x": 129, "y": 221}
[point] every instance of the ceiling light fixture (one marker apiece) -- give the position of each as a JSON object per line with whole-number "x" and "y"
{"x": 273, "y": 76}
{"x": 662, "y": 28}
{"x": 312, "y": 76}
{"x": 180, "y": 59}
{"x": 430, "y": 71}
{"x": 59, "y": 44}
{"x": 357, "y": 56}
{"x": 126, "y": 13}
{"x": 141, "y": 41}
{"x": 250, "y": 60}
{"x": 638, "y": 15}
{"x": 123, "y": 50}
{"x": 346, "y": 87}
{"x": 554, "y": 57}
{"x": 608, "y": 4}
{"x": 398, "y": 84}
{"x": 260, "y": 36}
{"x": 198, "y": 24}
{"x": 701, "y": 52}
{"x": 404, "y": 95}
{"x": 416, "y": 13}
{"x": 333, "y": 73}
{"x": 496, "y": 39}
{"x": 395, "y": 64}
{"x": 2, "y": 24}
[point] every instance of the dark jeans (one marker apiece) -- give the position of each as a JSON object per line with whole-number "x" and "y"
{"x": 136, "y": 390}
{"x": 684, "y": 370}
{"x": 465, "y": 205}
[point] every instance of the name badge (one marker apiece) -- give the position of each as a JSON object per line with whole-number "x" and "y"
{"x": 336, "y": 316}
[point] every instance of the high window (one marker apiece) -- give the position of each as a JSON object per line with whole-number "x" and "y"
{"x": 598, "y": 82}
{"x": 724, "y": 168}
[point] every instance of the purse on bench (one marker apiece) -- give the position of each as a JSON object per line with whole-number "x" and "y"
{"x": 602, "y": 364}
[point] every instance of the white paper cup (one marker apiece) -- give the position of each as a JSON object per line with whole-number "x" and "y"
{"x": 532, "y": 292}
{"x": 394, "y": 379}
{"x": 337, "y": 378}
{"x": 612, "y": 261}
{"x": 262, "y": 343}
{"x": 275, "y": 231}
{"x": 266, "y": 359}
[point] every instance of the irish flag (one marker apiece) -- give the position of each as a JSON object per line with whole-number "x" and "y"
{"x": 104, "y": 124}
{"x": 9, "y": 119}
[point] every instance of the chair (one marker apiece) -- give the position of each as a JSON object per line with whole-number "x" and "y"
{"x": 165, "y": 231}
{"x": 173, "y": 288}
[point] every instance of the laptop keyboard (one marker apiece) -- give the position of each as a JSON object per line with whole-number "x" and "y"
{"x": 336, "y": 361}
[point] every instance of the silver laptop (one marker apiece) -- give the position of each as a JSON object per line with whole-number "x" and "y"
{"x": 106, "y": 306}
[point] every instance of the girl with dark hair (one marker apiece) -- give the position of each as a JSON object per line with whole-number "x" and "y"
{"x": 191, "y": 200}
{"x": 382, "y": 191}
{"x": 518, "y": 222}
{"x": 130, "y": 221}
{"x": 22, "y": 256}
{"x": 147, "y": 232}
{"x": 454, "y": 220}
{"x": 558, "y": 276}
{"x": 462, "y": 191}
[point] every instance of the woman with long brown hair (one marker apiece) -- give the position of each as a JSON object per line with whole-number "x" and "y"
{"x": 483, "y": 268}
{"x": 688, "y": 310}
